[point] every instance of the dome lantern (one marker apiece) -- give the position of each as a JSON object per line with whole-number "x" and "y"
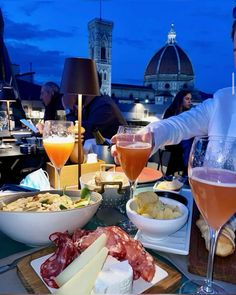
{"x": 171, "y": 35}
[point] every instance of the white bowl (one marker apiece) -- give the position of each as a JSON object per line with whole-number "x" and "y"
{"x": 34, "y": 228}
{"x": 156, "y": 229}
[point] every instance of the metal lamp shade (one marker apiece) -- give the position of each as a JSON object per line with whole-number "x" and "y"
{"x": 80, "y": 77}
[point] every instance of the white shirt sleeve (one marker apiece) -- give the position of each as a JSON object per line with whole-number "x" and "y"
{"x": 194, "y": 122}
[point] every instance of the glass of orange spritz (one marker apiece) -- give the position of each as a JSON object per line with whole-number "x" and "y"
{"x": 212, "y": 177}
{"x": 133, "y": 145}
{"x": 58, "y": 141}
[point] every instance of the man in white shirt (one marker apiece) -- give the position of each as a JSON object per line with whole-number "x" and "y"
{"x": 213, "y": 117}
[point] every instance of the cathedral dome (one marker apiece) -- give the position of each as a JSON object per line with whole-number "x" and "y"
{"x": 170, "y": 59}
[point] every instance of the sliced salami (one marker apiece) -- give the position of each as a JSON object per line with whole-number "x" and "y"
{"x": 119, "y": 244}
{"x": 65, "y": 253}
{"x": 123, "y": 247}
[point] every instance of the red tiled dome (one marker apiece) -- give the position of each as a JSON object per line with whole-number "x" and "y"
{"x": 170, "y": 59}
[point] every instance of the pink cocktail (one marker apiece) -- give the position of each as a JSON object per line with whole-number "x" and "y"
{"x": 211, "y": 187}
{"x": 212, "y": 177}
{"x": 134, "y": 148}
{"x": 133, "y": 157}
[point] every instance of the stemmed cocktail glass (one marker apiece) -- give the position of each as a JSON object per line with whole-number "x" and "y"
{"x": 134, "y": 146}
{"x": 58, "y": 141}
{"x": 212, "y": 177}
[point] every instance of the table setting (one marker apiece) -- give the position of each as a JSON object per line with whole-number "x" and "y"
{"x": 157, "y": 234}
{"x": 8, "y": 247}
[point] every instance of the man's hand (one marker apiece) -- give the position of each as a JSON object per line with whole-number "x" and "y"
{"x": 40, "y": 127}
{"x": 114, "y": 152}
{"x": 147, "y": 136}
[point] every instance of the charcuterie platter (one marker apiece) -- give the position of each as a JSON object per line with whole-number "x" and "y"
{"x": 30, "y": 269}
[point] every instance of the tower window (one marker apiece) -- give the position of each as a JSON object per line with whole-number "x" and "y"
{"x": 105, "y": 76}
{"x": 167, "y": 85}
{"x": 103, "y": 53}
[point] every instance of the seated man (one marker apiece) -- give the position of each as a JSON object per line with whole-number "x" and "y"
{"x": 99, "y": 112}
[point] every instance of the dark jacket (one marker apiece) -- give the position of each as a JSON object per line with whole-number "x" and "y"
{"x": 101, "y": 113}
{"x": 179, "y": 152}
{"x": 50, "y": 112}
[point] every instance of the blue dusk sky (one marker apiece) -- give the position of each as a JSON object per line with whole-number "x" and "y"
{"x": 44, "y": 33}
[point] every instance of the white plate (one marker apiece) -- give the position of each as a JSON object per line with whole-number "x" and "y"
{"x": 139, "y": 286}
{"x": 155, "y": 187}
{"x": 177, "y": 243}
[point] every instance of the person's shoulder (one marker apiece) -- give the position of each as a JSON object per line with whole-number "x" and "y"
{"x": 224, "y": 92}
{"x": 103, "y": 100}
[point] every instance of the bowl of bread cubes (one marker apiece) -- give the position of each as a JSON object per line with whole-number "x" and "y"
{"x": 156, "y": 217}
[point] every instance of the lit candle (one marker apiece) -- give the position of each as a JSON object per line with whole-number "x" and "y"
{"x": 233, "y": 91}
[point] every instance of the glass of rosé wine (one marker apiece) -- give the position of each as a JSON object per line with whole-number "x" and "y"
{"x": 58, "y": 141}
{"x": 212, "y": 177}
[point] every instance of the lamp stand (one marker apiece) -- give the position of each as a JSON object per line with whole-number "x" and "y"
{"x": 8, "y": 115}
{"x": 79, "y": 136}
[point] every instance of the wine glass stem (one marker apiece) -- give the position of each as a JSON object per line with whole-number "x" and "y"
{"x": 132, "y": 187}
{"x": 58, "y": 178}
{"x": 213, "y": 234}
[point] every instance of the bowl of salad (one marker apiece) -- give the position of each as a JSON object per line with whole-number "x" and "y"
{"x": 30, "y": 217}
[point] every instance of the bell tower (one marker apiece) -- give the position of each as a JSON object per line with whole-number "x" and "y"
{"x": 100, "y": 49}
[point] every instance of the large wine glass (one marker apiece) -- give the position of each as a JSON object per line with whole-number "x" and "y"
{"x": 212, "y": 177}
{"x": 58, "y": 141}
{"x": 133, "y": 144}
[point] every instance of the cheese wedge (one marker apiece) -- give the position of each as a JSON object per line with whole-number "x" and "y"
{"x": 83, "y": 281}
{"x": 77, "y": 264}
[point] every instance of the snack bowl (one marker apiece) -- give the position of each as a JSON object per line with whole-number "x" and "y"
{"x": 157, "y": 229}
{"x": 114, "y": 187}
{"x": 34, "y": 228}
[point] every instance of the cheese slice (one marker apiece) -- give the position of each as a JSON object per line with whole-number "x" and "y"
{"x": 83, "y": 281}
{"x": 115, "y": 278}
{"x": 77, "y": 264}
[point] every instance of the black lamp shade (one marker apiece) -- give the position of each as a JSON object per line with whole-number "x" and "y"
{"x": 7, "y": 94}
{"x": 79, "y": 77}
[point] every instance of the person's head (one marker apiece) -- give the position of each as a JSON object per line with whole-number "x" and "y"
{"x": 50, "y": 92}
{"x": 182, "y": 101}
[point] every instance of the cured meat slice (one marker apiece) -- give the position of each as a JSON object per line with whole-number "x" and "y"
{"x": 141, "y": 261}
{"x": 123, "y": 247}
{"x": 65, "y": 253}
{"x": 78, "y": 234}
{"x": 114, "y": 241}
{"x": 119, "y": 244}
